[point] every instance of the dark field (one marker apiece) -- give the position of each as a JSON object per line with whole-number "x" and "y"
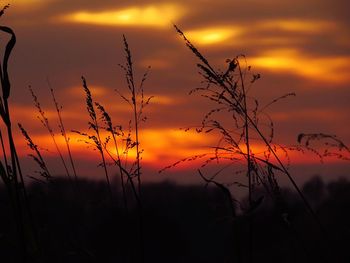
{"x": 180, "y": 224}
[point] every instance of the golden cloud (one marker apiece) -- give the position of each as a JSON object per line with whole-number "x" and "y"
{"x": 297, "y": 25}
{"x": 158, "y": 16}
{"x": 212, "y": 35}
{"x": 330, "y": 69}
{"x": 96, "y": 91}
{"x": 26, "y": 5}
{"x": 109, "y": 95}
{"x": 26, "y": 2}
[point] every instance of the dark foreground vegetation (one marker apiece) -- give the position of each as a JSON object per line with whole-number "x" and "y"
{"x": 180, "y": 224}
{"x": 74, "y": 220}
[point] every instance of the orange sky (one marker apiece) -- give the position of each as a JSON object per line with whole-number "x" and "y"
{"x": 297, "y": 46}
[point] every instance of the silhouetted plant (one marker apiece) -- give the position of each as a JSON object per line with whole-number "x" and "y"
{"x": 10, "y": 168}
{"x": 249, "y": 125}
{"x": 115, "y": 131}
{"x": 138, "y": 102}
{"x": 124, "y": 141}
{"x": 94, "y": 139}
{"x": 37, "y": 157}
{"x": 121, "y": 152}
{"x": 45, "y": 122}
{"x": 63, "y": 130}
{"x": 324, "y": 145}
{"x": 228, "y": 90}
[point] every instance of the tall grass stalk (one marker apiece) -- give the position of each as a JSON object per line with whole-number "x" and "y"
{"x": 227, "y": 89}
{"x": 110, "y": 128}
{"x": 37, "y": 156}
{"x": 249, "y": 170}
{"x": 96, "y": 137}
{"x": 129, "y": 73}
{"x": 129, "y": 173}
{"x": 45, "y": 122}
{"x": 63, "y": 131}
{"x": 138, "y": 102}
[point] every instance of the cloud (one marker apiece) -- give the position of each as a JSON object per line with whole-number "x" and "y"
{"x": 330, "y": 69}
{"x": 20, "y": 3}
{"x": 212, "y": 35}
{"x": 156, "y": 16}
{"x": 297, "y": 25}
{"x": 110, "y": 96}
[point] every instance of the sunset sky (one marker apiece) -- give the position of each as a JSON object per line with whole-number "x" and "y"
{"x": 297, "y": 46}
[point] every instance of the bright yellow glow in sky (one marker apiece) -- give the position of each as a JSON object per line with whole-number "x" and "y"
{"x": 172, "y": 146}
{"x": 162, "y": 146}
{"x": 149, "y": 16}
{"x": 297, "y": 25}
{"x": 23, "y": 2}
{"x": 209, "y": 36}
{"x": 332, "y": 69}
{"x": 103, "y": 94}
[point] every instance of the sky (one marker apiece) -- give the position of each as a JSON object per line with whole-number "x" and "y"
{"x": 297, "y": 46}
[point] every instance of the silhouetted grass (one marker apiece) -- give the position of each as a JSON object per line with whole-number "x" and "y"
{"x": 325, "y": 145}
{"x": 11, "y": 172}
{"x": 115, "y": 133}
{"x": 124, "y": 141}
{"x": 166, "y": 222}
{"x": 63, "y": 130}
{"x": 45, "y": 122}
{"x": 95, "y": 139}
{"x": 138, "y": 102}
{"x": 228, "y": 90}
{"x": 37, "y": 157}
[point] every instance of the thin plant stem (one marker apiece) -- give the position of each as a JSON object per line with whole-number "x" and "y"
{"x": 249, "y": 170}
{"x": 131, "y": 83}
{"x": 137, "y": 148}
{"x": 120, "y": 171}
{"x": 236, "y": 103}
{"x": 97, "y": 139}
{"x": 107, "y": 119}
{"x": 4, "y": 153}
{"x": 63, "y": 131}
{"x": 282, "y": 167}
{"x": 45, "y": 121}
